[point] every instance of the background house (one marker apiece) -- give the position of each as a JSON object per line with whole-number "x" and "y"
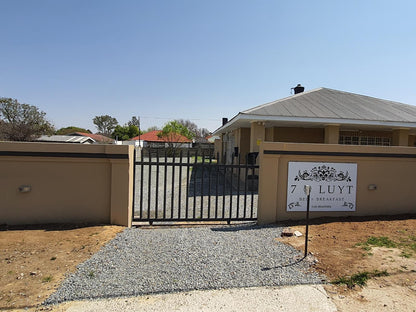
{"x": 98, "y": 138}
{"x": 65, "y": 139}
{"x": 319, "y": 116}
{"x": 152, "y": 139}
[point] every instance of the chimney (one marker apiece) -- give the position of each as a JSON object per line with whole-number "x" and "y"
{"x": 224, "y": 121}
{"x": 298, "y": 89}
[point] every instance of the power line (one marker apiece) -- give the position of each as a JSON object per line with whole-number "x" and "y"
{"x": 171, "y": 118}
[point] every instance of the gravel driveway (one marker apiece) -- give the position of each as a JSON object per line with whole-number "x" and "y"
{"x": 162, "y": 260}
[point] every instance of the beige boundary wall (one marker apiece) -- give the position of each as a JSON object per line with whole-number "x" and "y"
{"x": 69, "y": 183}
{"x": 391, "y": 169}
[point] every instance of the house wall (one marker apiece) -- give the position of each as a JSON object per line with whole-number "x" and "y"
{"x": 68, "y": 183}
{"x": 393, "y": 175}
{"x": 242, "y": 141}
{"x": 299, "y": 135}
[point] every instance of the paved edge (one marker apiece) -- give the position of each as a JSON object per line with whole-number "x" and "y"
{"x": 283, "y": 298}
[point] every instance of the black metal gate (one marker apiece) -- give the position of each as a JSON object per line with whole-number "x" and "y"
{"x": 192, "y": 186}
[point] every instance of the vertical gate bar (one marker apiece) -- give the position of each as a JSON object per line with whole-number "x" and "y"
{"x": 245, "y": 187}
{"x": 209, "y": 185}
{"x": 157, "y": 184}
{"x": 238, "y": 189}
{"x": 202, "y": 184}
{"x": 223, "y": 191}
{"x": 141, "y": 184}
{"x": 194, "y": 173}
{"x": 217, "y": 169}
{"x": 172, "y": 199}
{"x": 165, "y": 185}
{"x": 187, "y": 185}
{"x": 231, "y": 186}
{"x": 134, "y": 182}
{"x": 149, "y": 187}
{"x": 180, "y": 185}
{"x": 252, "y": 190}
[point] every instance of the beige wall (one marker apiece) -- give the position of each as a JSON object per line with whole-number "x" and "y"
{"x": 218, "y": 147}
{"x": 394, "y": 178}
{"x": 66, "y": 188}
{"x": 331, "y": 134}
{"x": 400, "y": 137}
{"x": 257, "y": 135}
{"x": 244, "y": 143}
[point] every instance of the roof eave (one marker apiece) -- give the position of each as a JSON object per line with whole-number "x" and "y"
{"x": 308, "y": 120}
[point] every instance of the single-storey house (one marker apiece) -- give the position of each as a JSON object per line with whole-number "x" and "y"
{"x": 318, "y": 116}
{"x": 153, "y": 139}
{"x": 98, "y": 138}
{"x": 65, "y": 139}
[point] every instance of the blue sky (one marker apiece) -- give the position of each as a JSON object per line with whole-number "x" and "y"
{"x": 198, "y": 60}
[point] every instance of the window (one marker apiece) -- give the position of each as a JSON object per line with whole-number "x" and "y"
{"x": 356, "y": 139}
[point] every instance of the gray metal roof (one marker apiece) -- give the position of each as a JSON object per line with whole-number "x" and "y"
{"x": 328, "y": 103}
{"x": 324, "y": 106}
{"x": 65, "y": 139}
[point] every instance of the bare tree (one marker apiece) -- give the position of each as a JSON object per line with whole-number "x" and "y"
{"x": 199, "y": 134}
{"x": 135, "y": 121}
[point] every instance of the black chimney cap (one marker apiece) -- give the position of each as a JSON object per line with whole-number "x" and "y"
{"x": 299, "y": 88}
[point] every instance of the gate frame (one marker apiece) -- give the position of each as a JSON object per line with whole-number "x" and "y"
{"x": 254, "y": 168}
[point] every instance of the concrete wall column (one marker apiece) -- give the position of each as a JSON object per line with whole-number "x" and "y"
{"x": 332, "y": 134}
{"x": 122, "y": 175}
{"x": 400, "y": 137}
{"x": 257, "y": 135}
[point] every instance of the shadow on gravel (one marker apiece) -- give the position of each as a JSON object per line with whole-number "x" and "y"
{"x": 284, "y": 265}
{"x": 244, "y": 227}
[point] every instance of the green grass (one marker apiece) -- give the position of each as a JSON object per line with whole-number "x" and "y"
{"x": 359, "y": 279}
{"x": 47, "y": 279}
{"x": 406, "y": 244}
{"x": 91, "y": 274}
{"x": 381, "y": 241}
{"x": 199, "y": 160}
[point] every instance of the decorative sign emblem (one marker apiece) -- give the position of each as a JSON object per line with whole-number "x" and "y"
{"x": 334, "y": 186}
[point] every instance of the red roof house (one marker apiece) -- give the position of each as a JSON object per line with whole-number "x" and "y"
{"x": 153, "y": 138}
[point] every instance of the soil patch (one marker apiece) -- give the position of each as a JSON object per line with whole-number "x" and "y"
{"x": 35, "y": 259}
{"x": 342, "y": 250}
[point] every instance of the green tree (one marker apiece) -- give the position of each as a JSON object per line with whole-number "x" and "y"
{"x": 125, "y": 132}
{"x": 22, "y": 122}
{"x": 172, "y": 128}
{"x": 172, "y": 132}
{"x": 71, "y": 129}
{"x": 105, "y": 124}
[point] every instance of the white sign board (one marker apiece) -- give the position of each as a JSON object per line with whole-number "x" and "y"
{"x": 333, "y": 186}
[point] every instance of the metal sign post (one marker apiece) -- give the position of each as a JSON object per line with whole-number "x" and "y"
{"x": 307, "y": 189}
